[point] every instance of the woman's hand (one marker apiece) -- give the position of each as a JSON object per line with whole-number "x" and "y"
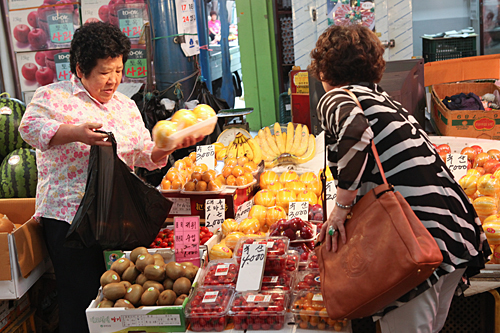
{"x": 84, "y": 133}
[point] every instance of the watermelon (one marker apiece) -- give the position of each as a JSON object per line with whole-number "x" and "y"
{"x": 11, "y": 113}
{"x": 18, "y": 174}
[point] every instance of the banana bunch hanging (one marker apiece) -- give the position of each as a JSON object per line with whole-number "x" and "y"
{"x": 295, "y": 145}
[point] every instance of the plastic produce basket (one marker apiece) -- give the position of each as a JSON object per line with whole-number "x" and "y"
{"x": 285, "y": 114}
{"x": 435, "y": 49}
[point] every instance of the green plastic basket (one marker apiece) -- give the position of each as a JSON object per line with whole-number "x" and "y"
{"x": 285, "y": 115}
{"x": 435, "y": 49}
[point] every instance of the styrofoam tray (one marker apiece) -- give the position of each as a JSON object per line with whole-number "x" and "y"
{"x": 242, "y": 186}
{"x": 202, "y": 128}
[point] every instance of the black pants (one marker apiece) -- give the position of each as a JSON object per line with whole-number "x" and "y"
{"x": 78, "y": 272}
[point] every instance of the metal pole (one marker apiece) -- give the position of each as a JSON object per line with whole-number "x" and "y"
{"x": 227, "y": 89}
{"x": 203, "y": 39}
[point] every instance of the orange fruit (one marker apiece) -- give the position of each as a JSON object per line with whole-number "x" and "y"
{"x": 284, "y": 197}
{"x": 315, "y": 187}
{"x": 265, "y": 198}
{"x": 295, "y": 185}
{"x": 308, "y": 196}
{"x": 212, "y": 172}
{"x": 288, "y": 176}
{"x": 203, "y": 112}
{"x": 207, "y": 177}
{"x": 250, "y": 166}
{"x": 172, "y": 174}
{"x": 226, "y": 171}
{"x": 190, "y": 186}
{"x": 204, "y": 167}
{"x": 231, "y": 180}
{"x": 238, "y": 171}
{"x": 184, "y": 118}
{"x": 241, "y": 180}
{"x": 198, "y": 169}
{"x": 192, "y": 156}
{"x": 307, "y": 177}
{"x": 179, "y": 164}
{"x": 242, "y": 160}
{"x": 201, "y": 186}
{"x": 213, "y": 186}
{"x": 249, "y": 177}
{"x": 230, "y": 162}
{"x": 221, "y": 179}
{"x": 188, "y": 162}
{"x": 176, "y": 184}
{"x": 196, "y": 176}
{"x": 268, "y": 177}
{"x": 275, "y": 186}
{"x": 166, "y": 184}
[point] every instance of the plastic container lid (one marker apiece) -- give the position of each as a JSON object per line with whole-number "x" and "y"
{"x": 201, "y": 128}
{"x": 282, "y": 281}
{"x": 292, "y": 261}
{"x": 308, "y": 280}
{"x": 220, "y": 272}
{"x": 277, "y": 249}
{"x": 269, "y": 302}
{"x": 312, "y": 261}
{"x": 209, "y": 302}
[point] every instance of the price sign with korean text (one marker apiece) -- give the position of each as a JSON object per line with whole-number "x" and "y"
{"x": 136, "y": 65}
{"x": 215, "y": 213}
{"x": 130, "y": 20}
{"x": 457, "y": 163}
{"x": 181, "y": 206}
{"x": 253, "y": 259}
{"x": 186, "y": 26}
{"x": 331, "y": 195}
{"x": 205, "y": 154}
{"x": 63, "y": 68}
{"x": 187, "y": 239}
{"x": 243, "y": 211}
{"x": 298, "y": 209}
{"x": 61, "y": 27}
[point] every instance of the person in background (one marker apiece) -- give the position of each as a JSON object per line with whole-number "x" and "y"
{"x": 60, "y": 122}
{"x": 214, "y": 27}
{"x": 352, "y": 58}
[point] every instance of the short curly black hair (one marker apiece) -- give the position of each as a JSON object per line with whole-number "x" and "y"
{"x": 347, "y": 54}
{"x": 96, "y": 40}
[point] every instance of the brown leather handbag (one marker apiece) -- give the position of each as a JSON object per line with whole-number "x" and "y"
{"x": 388, "y": 252}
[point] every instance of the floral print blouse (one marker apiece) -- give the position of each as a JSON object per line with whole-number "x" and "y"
{"x": 62, "y": 169}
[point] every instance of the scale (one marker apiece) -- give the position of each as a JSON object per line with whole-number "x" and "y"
{"x": 234, "y": 123}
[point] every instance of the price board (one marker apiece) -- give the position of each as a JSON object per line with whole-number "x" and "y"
{"x": 253, "y": 259}
{"x": 187, "y": 239}
{"x": 181, "y": 206}
{"x": 298, "y": 209}
{"x": 457, "y": 163}
{"x": 243, "y": 211}
{"x": 205, "y": 154}
{"x": 215, "y": 213}
{"x": 61, "y": 27}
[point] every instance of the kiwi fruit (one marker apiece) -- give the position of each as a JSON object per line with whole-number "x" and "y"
{"x": 179, "y": 300}
{"x": 123, "y": 303}
{"x": 126, "y": 284}
{"x": 120, "y": 265}
{"x": 167, "y": 297}
{"x": 168, "y": 283}
{"x": 150, "y": 296}
{"x": 109, "y": 277}
{"x": 114, "y": 291}
{"x": 151, "y": 283}
{"x": 154, "y": 272}
{"x": 134, "y": 293}
{"x": 186, "y": 264}
{"x": 105, "y": 303}
{"x": 130, "y": 274}
{"x": 143, "y": 260}
{"x": 136, "y": 252}
{"x": 159, "y": 259}
{"x": 174, "y": 270}
{"x": 141, "y": 278}
{"x": 182, "y": 286}
{"x": 190, "y": 272}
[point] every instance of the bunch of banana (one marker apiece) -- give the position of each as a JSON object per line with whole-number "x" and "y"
{"x": 243, "y": 146}
{"x": 220, "y": 151}
{"x": 295, "y": 145}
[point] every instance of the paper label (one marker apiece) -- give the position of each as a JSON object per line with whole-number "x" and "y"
{"x": 214, "y": 213}
{"x": 131, "y": 21}
{"x": 205, "y": 154}
{"x": 181, "y": 206}
{"x": 298, "y": 209}
{"x": 63, "y": 68}
{"x": 61, "y": 27}
{"x": 222, "y": 270}
{"x": 331, "y": 195}
{"x": 259, "y": 298}
{"x": 317, "y": 298}
{"x": 210, "y": 297}
{"x": 270, "y": 279}
{"x": 243, "y": 211}
{"x": 136, "y": 65}
{"x": 5, "y": 110}
{"x": 270, "y": 244}
{"x": 457, "y": 163}
{"x": 187, "y": 239}
{"x": 146, "y": 320}
{"x": 252, "y": 263}
{"x": 14, "y": 159}
{"x": 186, "y": 26}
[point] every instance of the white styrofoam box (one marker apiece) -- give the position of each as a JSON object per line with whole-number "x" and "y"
{"x": 43, "y": 28}
{"x": 36, "y": 69}
{"x": 458, "y": 143}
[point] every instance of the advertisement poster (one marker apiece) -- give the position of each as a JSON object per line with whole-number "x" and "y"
{"x": 348, "y": 12}
{"x": 186, "y": 24}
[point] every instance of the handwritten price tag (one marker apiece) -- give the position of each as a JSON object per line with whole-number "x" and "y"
{"x": 215, "y": 213}
{"x": 61, "y": 27}
{"x": 243, "y": 211}
{"x": 181, "y": 206}
{"x": 457, "y": 164}
{"x": 298, "y": 209}
{"x": 252, "y": 263}
{"x": 187, "y": 239}
{"x": 206, "y": 155}
{"x": 331, "y": 195}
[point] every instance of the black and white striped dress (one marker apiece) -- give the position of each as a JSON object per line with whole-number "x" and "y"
{"x": 410, "y": 163}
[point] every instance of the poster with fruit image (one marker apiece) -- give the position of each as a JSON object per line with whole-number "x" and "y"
{"x": 135, "y": 69}
{"x": 36, "y": 69}
{"x": 45, "y": 27}
{"x": 349, "y": 12}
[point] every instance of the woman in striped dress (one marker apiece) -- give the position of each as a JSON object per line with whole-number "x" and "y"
{"x": 352, "y": 58}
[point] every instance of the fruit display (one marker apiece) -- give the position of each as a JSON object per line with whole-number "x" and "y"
{"x": 238, "y": 172}
{"x": 309, "y": 312}
{"x": 295, "y": 145}
{"x": 279, "y": 280}
{"x": 308, "y": 279}
{"x": 18, "y": 174}
{"x": 312, "y": 261}
{"x": 242, "y": 146}
{"x": 166, "y": 238}
{"x": 292, "y": 261}
{"x": 220, "y": 273}
{"x": 265, "y": 310}
{"x": 294, "y": 229}
{"x": 208, "y": 309}
{"x": 145, "y": 279}
{"x": 277, "y": 248}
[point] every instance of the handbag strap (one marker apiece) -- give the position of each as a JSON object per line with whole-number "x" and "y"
{"x": 374, "y": 149}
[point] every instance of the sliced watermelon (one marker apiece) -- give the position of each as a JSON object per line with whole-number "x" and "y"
{"x": 18, "y": 174}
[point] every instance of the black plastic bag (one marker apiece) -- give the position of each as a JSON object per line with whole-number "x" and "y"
{"x": 118, "y": 210}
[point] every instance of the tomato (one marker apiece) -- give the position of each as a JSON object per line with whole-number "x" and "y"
{"x": 158, "y": 241}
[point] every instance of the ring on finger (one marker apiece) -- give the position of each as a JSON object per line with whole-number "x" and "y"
{"x": 331, "y": 230}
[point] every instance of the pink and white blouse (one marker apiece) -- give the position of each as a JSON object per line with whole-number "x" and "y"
{"x": 62, "y": 169}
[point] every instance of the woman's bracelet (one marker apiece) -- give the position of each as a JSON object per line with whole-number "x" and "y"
{"x": 344, "y": 206}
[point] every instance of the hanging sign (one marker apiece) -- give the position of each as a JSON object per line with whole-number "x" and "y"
{"x": 186, "y": 27}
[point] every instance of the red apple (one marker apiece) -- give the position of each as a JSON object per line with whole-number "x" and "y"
{"x": 40, "y": 58}
{"x": 490, "y": 166}
{"x": 113, "y": 19}
{"x": 38, "y": 39}
{"x": 21, "y": 32}
{"x": 494, "y": 153}
{"x": 44, "y": 76}
{"x": 477, "y": 148}
{"x": 103, "y": 13}
{"x": 33, "y": 19}
{"x": 29, "y": 71}
{"x": 112, "y": 4}
{"x": 444, "y": 148}
{"x": 470, "y": 153}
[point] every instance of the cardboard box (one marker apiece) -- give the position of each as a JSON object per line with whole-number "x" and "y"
{"x": 36, "y": 69}
{"x": 23, "y": 254}
{"x": 44, "y": 28}
{"x": 25, "y": 4}
{"x": 464, "y": 123}
{"x": 148, "y": 319}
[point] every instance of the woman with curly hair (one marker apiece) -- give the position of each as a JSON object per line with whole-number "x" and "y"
{"x": 60, "y": 122}
{"x": 352, "y": 58}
